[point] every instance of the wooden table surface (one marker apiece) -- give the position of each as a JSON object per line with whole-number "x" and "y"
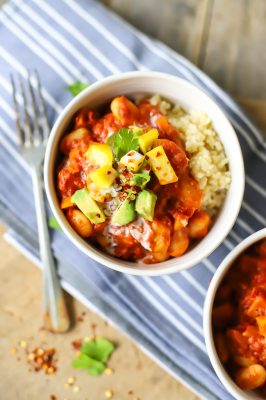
{"x": 227, "y": 40}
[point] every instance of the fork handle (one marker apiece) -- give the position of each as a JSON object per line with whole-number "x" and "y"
{"x": 56, "y": 315}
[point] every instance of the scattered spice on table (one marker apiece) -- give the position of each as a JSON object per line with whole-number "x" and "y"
{"x": 108, "y": 371}
{"x": 76, "y": 344}
{"x": 108, "y": 393}
{"x": 43, "y": 359}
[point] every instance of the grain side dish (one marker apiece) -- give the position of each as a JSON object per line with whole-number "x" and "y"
{"x": 142, "y": 180}
{"x": 239, "y": 320}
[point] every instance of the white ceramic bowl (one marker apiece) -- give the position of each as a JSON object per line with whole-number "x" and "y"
{"x": 135, "y": 84}
{"x": 238, "y": 393}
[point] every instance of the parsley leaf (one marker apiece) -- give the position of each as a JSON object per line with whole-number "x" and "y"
{"x": 53, "y": 224}
{"x": 77, "y": 87}
{"x": 123, "y": 141}
{"x": 93, "y": 356}
{"x": 93, "y": 367}
{"x": 99, "y": 349}
{"x": 141, "y": 179}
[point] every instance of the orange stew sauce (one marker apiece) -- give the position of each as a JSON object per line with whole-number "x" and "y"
{"x": 239, "y": 319}
{"x": 178, "y": 218}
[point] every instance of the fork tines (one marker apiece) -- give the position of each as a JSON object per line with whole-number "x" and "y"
{"x": 32, "y": 122}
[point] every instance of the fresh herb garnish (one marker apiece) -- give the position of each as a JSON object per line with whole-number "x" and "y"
{"x": 93, "y": 367}
{"x": 77, "y": 87}
{"x": 122, "y": 142}
{"x": 53, "y": 224}
{"x": 93, "y": 356}
{"x": 141, "y": 179}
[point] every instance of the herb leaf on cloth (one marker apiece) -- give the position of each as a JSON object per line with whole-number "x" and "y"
{"x": 99, "y": 349}
{"x": 77, "y": 87}
{"x": 123, "y": 141}
{"x": 93, "y": 367}
{"x": 53, "y": 224}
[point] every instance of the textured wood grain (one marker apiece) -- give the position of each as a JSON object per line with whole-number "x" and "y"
{"x": 180, "y": 24}
{"x": 235, "y": 53}
{"x": 226, "y": 38}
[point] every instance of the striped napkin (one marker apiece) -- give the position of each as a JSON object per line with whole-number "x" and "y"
{"x": 68, "y": 40}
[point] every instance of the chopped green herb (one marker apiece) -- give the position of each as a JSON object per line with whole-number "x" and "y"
{"x": 77, "y": 87}
{"x": 98, "y": 349}
{"x": 93, "y": 356}
{"x": 53, "y": 224}
{"x": 141, "y": 179}
{"x": 93, "y": 367}
{"x": 122, "y": 142}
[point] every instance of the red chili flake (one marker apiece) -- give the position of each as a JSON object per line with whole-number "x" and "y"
{"x": 109, "y": 172}
{"x": 146, "y": 157}
{"x": 126, "y": 187}
{"x": 43, "y": 359}
{"x": 130, "y": 391}
{"x": 131, "y": 154}
{"x": 158, "y": 168}
{"x": 98, "y": 215}
{"x": 76, "y": 344}
{"x": 53, "y": 397}
{"x": 147, "y": 167}
{"x": 118, "y": 181}
{"x": 80, "y": 319}
{"x": 158, "y": 154}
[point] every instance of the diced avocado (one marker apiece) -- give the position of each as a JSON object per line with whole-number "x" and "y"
{"x": 145, "y": 204}
{"x": 146, "y": 141}
{"x": 88, "y": 206}
{"x": 132, "y": 160}
{"x": 100, "y": 154}
{"x": 104, "y": 177}
{"x": 125, "y": 213}
{"x": 140, "y": 179}
{"x": 161, "y": 166}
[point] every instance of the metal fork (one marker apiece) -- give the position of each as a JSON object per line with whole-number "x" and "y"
{"x": 33, "y": 131}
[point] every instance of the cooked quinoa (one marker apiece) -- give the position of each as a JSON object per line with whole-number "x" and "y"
{"x": 208, "y": 162}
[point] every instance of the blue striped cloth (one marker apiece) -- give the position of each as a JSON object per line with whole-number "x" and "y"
{"x": 68, "y": 40}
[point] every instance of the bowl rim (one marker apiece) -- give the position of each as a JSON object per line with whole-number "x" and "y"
{"x": 103, "y": 258}
{"x": 207, "y": 314}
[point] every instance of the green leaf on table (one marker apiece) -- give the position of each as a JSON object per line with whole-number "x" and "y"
{"x": 93, "y": 366}
{"x": 53, "y": 224}
{"x": 77, "y": 87}
{"x": 123, "y": 141}
{"x": 99, "y": 349}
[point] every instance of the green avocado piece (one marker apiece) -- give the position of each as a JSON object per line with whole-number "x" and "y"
{"x": 141, "y": 179}
{"x": 124, "y": 213}
{"x": 88, "y": 206}
{"x": 145, "y": 204}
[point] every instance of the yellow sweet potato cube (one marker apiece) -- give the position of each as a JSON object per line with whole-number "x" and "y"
{"x": 104, "y": 177}
{"x": 147, "y": 139}
{"x": 161, "y": 166}
{"x": 100, "y": 154}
